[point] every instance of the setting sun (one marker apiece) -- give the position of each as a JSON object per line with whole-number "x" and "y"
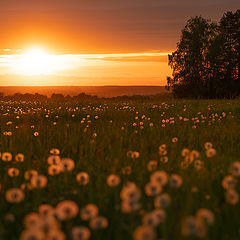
{"x": 35, "y": 62}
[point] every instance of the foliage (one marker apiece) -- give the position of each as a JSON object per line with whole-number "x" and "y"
{"x": 206, "y": 63}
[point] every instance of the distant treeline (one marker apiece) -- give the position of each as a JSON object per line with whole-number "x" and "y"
{"x": 206, "y": 63}
{"x": 80, "y": 97}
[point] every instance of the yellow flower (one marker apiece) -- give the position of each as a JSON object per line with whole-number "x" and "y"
{"x": 152, "y": 189}
{"x": 14, "y": 195}
{"x": 88, "y": 212}
{"x": 19, "y": 157}
{"x": 113, "y": 180}
{"x": 39, "y": 181}
{"x": 175, "y": 181}
{"x": 98, "y": 222}
{"x": 13, "y": 172}
{"x": 30, "y": 173}
{"x": 144, "y": 233}
{"x": 162, "y": 201}
{"x": 67, "y": 164}
{"x": 232, "y": 197}
{"x": 54, "y": 170}
{"x": 36, "y": 134}
{"x": 54, "y": 160}
{"x": 82, "y": 178}
{"x": 66, "y": 210}
{"x": 206, "y": 215}
{"x": 6, "y": 157}
{"x": 160, "y": 177}
{"x": 81, "y": 233}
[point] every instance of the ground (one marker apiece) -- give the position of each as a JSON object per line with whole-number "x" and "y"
{"x": 167, "y": 163}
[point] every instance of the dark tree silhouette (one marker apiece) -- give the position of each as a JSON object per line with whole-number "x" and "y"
{"x": 230, "y": 32}
{"x": 207, "y": 60}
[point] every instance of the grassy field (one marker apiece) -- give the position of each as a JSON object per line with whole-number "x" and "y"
{"x": 149, "y": 170}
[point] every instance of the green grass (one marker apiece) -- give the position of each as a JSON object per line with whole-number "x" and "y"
{"x": 106, "y": 153}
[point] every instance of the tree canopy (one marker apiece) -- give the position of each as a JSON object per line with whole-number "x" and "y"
{"x": 206, "y": 63}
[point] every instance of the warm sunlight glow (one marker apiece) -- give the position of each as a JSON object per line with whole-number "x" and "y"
{"x": 35, "y": 62}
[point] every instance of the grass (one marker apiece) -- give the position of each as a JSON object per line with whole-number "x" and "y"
{"x": 97, "y": 136}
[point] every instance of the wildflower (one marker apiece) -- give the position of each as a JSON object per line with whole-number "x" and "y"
{"x": 232, "y": 197}
{"x": 192, "y": 226}
{"x": 82, "y": 178}
{"x": 54, "y": 170}
{"x": 88, "y": 212}
{"x": 36, "y": 134}
{"x": 31, "y": 220}
{"x": 135, "y": 155}
{"x": 30, "y": 173}
{"x": 198, "y": 164}
{"x": 164, "y": 159}
{"x": 206, "y": 215}
{"x": 175, "y": 181}
{"x": 113, "y": 180}
{"x": 127, "y": 170}
{"x": 19, "y": 157}
{"x": 49, "y": 225}
{"x": 162, "y": 147}
{"x": 211, "y": 152}
{"x": 54, "y": 160}
{"x": 162, "y": 201}
{"x": 39, "y": 181}
{"x": 55, "y": 151}
{"x": 46, "y": 210}
{"x": 32, "y": 235}
{"x": 13, "y": 172}
{"x": 67, "y": 164}
{"x": 174, "y": 140}
{"x": 229, "y": 182}
{"x": 6, "y": 157}
{"x": 160, "y": 177}
{"x": 81, "y": 233}
{"x": 14, "y": 195}
{"x": 208, "y": 145}
{"x": 152, "y": 189}
{"x": 98, "y": 222}
{"x": 56, "y": 235}
{"x": 130, "y": 205}
{"x": 194, "y": 155}
{"x": 185, "y": 152}
{"x": 235, "y": 169}
{"x": 150, "y": 220}
{"x": 184, "y": 164}
{"x": 162, "y": 152}
{"x": 152, "y": 165}
{"x": 130, "y": 191}
{"x": 160, "y": 214}
{"x": 27, "y": 186}
{"x": 66, "y": 210}
{"x": 144, "y": 233}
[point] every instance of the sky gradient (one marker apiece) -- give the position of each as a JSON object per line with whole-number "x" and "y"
{"x": 93, "y": 32}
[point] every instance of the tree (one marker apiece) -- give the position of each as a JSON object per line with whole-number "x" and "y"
{"x": 230, "y": 32}
{"x": 207, "y": 60}
{"x": 57, "y": 97}
{"x": 190, "y": 68}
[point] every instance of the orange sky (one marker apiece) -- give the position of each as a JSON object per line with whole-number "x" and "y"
{"x": 71, "y": 28}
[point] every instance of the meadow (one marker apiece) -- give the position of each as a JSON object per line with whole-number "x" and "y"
{"x": 107, "y": 169}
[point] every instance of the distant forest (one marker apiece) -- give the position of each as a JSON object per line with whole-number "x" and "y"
{"x": 206, "y": 63}
{"x": 80, "y": 97}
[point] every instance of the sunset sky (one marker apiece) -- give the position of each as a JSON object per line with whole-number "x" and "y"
{"x": 94, "y": 42}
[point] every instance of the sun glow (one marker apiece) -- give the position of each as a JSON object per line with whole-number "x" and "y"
{"x": 35, "y": 62}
